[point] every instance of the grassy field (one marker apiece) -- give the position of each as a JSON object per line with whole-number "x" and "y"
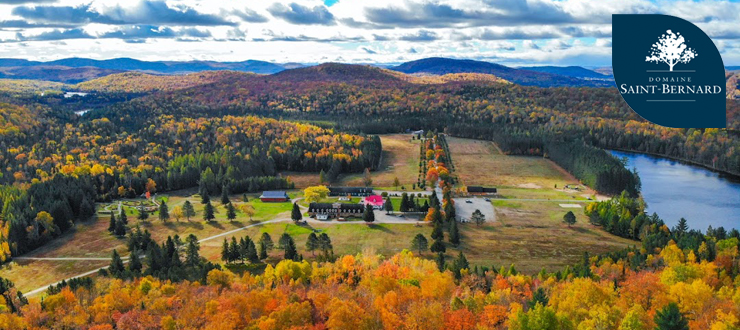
{"x": 91, "y": 239}
{"x": 481, "y": 163}
{"x": 530, "y": 236}
{"x": 400, "y": 160}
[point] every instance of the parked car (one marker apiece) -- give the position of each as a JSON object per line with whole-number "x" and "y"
{"x": 469, "y": 201}
{"x": 487, "y": 199}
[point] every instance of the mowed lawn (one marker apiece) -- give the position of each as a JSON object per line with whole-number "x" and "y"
{"x": 481, "y": 163}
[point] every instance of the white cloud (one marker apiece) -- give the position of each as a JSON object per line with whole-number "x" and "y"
{"x": 508, "y": 31}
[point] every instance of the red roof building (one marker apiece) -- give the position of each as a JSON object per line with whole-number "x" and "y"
{"x": 376, "y": 201}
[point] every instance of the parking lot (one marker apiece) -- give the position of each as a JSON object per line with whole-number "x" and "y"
{"x": 464, "y": 210}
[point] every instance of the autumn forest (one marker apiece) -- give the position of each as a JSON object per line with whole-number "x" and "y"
{"x": 229, "y": 134}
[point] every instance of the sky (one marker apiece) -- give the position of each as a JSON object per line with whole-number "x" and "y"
{"x": 513, "y": 32}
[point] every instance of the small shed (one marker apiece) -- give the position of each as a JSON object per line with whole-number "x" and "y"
{"x": 481, "y": 190}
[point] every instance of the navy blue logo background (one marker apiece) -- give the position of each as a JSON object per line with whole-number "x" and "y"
{"x": 692, "y": 94}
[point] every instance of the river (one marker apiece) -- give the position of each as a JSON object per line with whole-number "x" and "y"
{"x": 675, "y": 190}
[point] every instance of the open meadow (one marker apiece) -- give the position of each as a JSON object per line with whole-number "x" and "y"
{"x": 481, "y": 163}
{"x": 400, "y": 160}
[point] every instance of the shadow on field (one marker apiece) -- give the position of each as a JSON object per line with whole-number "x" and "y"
{"x": 175, "y": 225}
{"x": 381, "y": 228}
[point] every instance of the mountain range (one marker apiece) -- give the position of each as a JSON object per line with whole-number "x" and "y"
{"x": 528, "y": 77}
{"x": 76, "y": 70}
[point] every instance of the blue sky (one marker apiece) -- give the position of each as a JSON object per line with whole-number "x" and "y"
{"x": 514, "y": 32}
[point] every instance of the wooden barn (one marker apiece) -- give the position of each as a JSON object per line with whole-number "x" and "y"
{"x": 274, "y": 196}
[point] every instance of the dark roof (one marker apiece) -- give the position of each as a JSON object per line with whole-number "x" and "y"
{"x": 351, "y": 189}
{"x": 481, "y": 189}
{"x": 343, "y": 206}
{"x": 274, "y": 194}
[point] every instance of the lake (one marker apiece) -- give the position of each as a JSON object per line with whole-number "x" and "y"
{"x": 675, "y": 190}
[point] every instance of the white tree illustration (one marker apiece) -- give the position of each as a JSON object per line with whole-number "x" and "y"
{"x": 670, "y": 49}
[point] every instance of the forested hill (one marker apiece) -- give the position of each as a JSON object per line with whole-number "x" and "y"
{"x": 372, "y": 100}
{"x": 137, "y": 82}
{"x": 62, "y": 74}
{"x": 437, "y": 65}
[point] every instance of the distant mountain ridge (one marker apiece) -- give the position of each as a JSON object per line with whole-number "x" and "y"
{"x": 76, "y": 70}
{"x": 130, "y": 64}
{"x": 440, "y": 66}
{"x": 55, "y": 73}
{"x": 570, "y": 71}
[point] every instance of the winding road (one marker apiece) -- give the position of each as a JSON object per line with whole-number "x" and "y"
{"x": 381, "y": 217}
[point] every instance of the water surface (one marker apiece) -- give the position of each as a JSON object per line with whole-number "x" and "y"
{"x": 674, "y": 190}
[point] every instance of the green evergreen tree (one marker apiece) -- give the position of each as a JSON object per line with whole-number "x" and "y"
{"x": 143, "y": 214}
{"x": 203, "y": 192}
{"x": 209, "y": 212}
{"x": 120, "y": 228}
{"x": 459, "y": 264}
{"x": 243, "y": 247}
{"x": 670, "y": 318}
{"x": 205, "y": 198}
{"x": 225, "y": 252}
{"x": 539, "y": 297}
{"x": 420, "y": 243}
{"x": 404, "y": 207}
{"x": 263, "y": 251}
{"x": 234, "y": 250}
{"x": 112, "y": 223}
{"x": 134, "y": 264}
{"x": 368, "y": 216}
{"x": 682, "y": 227}
{"x": 192, "y": 254}
{"x": 437, "y": 233}
{"x": 225, "y": 195}
{"x": 295, "y": 214}
{"x": 123, "y": 217}
{"x": 569, "y": 218}
{"x": 289, "y": 247}
{"x": 252, "y": 252}
{"x": 454, "y": 234}
{"x": 325, "y": 243}
{"x": 388, "y": 205}
{"x": 116, "y": 265}
{"x": 438, "y": 246}
{"x": 440, "y": 260}
{"x": 266, "y": 240}
{"x": 188, "y": 210}
{"x": 164, "y": 213}
{"x": 230, "y": 212}
{"x": 312, "y": 243}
